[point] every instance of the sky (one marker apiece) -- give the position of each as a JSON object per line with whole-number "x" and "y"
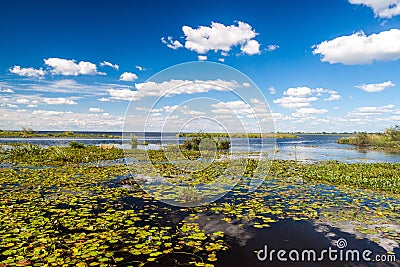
{"x": 310, "y": 65}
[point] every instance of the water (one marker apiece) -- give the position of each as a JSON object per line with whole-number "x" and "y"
{"x": 306, "y": 148}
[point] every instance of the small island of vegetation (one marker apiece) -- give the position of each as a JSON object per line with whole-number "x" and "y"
{"x": 388, "y": 140}
{"x": 240, "y": 135}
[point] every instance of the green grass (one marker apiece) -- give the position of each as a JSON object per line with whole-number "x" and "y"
{"x": 34, "y": 155}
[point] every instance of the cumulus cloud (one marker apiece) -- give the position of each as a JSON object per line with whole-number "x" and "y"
{"x": 176, "y": 87}
{"x": 109, "y": 64}
{"x": 381, "y": 8}
{"x": 304, "y": 112}
{"x": 124, "y": 94}
{"x": 298, "y": 91}
{"x": 218, "y": 38}
{"x": 272, "y": 47}
{"x": 272, "y": 90}
{"x": 252, "y": 47}
{"x": 60, "y": 66}
{"x": 173, "y": 44}
{"x": 6, "y": 90}
{"x": 95, "y": 110}
{"x": 359, "y": 48}
{"x": 27, "y": 72}
{"x": 376, "y": 87}
{"x": 128, "y": 77}
{"x": 58, "y": 120}
{"x": 202, "y": 57}
{"x": 140, "y": 68}
{"x": 59, "y": 101}
{"x": 295, "y": 102}
{"x": 364, "y": 111}
{"x": 297, "y": 97}
{"x": 22, "y": 101}
{"x": 238, "y": 107}
{"x": 333, "y": 97}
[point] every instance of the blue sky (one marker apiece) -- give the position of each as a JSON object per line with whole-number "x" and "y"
{"x": 321, "y": 65}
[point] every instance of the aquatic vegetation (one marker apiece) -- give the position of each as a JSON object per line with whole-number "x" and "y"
{"x": 88, "y": 215}
{"x": 34, "y": 155}
{"x": 239, "y": 135}
{"x": 28, "y": 132}
{"x": 388, "y": 140}
{"x": 206, "y": 142}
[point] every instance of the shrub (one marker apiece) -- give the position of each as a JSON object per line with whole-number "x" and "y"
{"x": 223, "y": 144}
{"x": 76, "y": 145}
{"x": 194, "y": 143}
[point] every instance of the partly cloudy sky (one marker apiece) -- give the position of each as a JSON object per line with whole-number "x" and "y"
{"x": 321, "y": 65}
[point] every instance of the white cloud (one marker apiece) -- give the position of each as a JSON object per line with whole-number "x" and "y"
{"x": 373, "y": 110}
{"x": 252, "y": 47}
{"x": 295, "y": 102}
{"x": 272, "y": 90}
{"x": 6, "y": 90}
{"x": 65, "y": 86}
{"x": 124, "y": 94}
{"x": 238, "y": 107}
{"x": 59, "y": 101}
{"x": 272, "y": 47}
{"x": 95, "y": 110}
{"x": 171, "y": 43}
{"x": 376, "y": 87}
{"x": 303, "y": 112}
{"x": 62, "y": 66}
{"x": 202, "y": 57}
{"x": 297, "y": 97}
{"x": 109, "y": 64}
{"x": 128, "y": 77}
{"x": 218, "y": 37}
{"x": 58, "y": 120}
{"x": 140, "y": 68}
{"x": 27, "y": 72}
{"x": 104, "y": 99}
{"x": 187, "y": 111}
{"x": 333, "y": 97}
{"x": 176, "y": 87}
{"x": 22, "y": 101}
{"x": 8, "y": 105}
{"x": 359, "y": 48}
{"x": 298, "y": 91}
{"x": 221, "y": 59}
{"x": 381, "y": 8}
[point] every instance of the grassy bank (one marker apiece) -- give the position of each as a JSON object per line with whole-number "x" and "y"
{"x": 240, "y": 135}
{"x": 388, "y": 140}
{"x": 28, "y": 133}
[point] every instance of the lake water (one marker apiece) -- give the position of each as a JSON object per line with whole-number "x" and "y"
{"x": 306, "y": 148}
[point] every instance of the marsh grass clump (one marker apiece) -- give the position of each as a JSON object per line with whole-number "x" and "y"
{"x": 134, "y": 141}
{"x": 76, "y": 145}
{"x": 206, "y": 141}
{"x": 388, "y": 140}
